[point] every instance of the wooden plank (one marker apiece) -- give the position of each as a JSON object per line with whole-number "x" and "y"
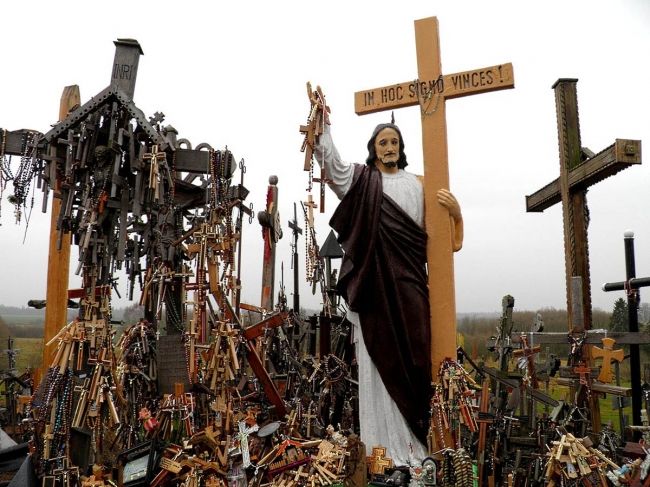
{"x": 620, "y": 155}
{"x": 598, "y": 387}
{"x": 258, "y": 329}
{"x": 594, "y": 337}
{"x": 456, "y": 85}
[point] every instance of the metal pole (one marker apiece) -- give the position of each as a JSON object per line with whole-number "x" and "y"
{"x": 296, "y": 287}
{"x": 633, "y": 298}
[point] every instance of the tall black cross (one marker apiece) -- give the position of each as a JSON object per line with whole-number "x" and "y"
{"x": 631, "y": 286}
{"x": 296, "y": 230}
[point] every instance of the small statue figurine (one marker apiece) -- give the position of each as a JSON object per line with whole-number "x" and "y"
{"x": 336, "y": 437}
{"x": 150, "y": 423}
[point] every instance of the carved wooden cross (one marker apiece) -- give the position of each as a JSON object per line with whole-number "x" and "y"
{"x": 431, "y": 91}
{"x": 378, "y": 461}
{"x": 577, "y": 174}
{"x": 322, "y": 180}
{"x": 607, "y": 353}
{"x": 309, "y": 417}
{"x": 155, "y": 157}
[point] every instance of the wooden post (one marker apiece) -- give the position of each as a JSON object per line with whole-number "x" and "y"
{"x": 58, "y": 264}
{"x": 430, "y": 92}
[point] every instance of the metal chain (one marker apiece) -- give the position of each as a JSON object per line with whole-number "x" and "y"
{"x": 425, "y": 112}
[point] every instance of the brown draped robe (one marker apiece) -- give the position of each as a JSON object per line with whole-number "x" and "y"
{"x": 383, "y": 278}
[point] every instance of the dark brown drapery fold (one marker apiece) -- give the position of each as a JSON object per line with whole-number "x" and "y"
{"x": 383, "y": 278}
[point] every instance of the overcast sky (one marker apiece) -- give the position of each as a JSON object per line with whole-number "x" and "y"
{"x": 234, "y": 73}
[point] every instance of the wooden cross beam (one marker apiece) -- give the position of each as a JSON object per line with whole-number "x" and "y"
{"x": 430, "y": 91}
{"x": 576, "y": 176}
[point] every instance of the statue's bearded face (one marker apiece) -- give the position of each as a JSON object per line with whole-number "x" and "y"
{"x": 387, "y": 147}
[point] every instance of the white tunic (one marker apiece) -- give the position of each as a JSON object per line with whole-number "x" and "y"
{"x": 380, "y": 420}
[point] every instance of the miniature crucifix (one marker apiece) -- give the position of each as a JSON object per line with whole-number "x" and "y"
{"x": 430, "y": 91}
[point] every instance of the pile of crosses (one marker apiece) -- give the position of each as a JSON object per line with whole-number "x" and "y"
{"x": 574, "y": 458}
{"x": 203, "y": 389}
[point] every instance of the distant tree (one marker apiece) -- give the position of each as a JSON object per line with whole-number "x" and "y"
{"x": 132, "y": 314}
{"x": 619, "y": 320}
{"x": 644, "y": 313}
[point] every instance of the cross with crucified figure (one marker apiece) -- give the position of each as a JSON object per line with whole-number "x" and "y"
{"x": 430, "y": 91}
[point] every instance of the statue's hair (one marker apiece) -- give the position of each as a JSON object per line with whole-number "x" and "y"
{"x": 372, "y": 154}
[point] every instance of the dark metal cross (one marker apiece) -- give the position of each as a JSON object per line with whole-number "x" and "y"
{"x": 296, "y": 230}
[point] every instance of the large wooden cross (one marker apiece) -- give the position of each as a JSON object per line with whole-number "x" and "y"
{"x": 430, "y": 91}
{"x": 577, "y": 173}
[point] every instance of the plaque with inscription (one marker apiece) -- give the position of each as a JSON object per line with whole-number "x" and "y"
{"x": 172, "y": 366}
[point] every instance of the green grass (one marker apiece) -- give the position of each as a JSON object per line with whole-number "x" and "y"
{"x": 30, "y": 353}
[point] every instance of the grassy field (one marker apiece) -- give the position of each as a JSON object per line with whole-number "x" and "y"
{"x": 30, "y": 353}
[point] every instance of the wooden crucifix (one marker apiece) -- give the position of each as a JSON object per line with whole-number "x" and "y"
{"x": 271, "y": 232}
{"x": 430, "y": 91}
{"x": 577, "y": 174}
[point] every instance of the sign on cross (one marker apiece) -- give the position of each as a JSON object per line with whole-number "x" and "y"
{"x": 430, "y": 91}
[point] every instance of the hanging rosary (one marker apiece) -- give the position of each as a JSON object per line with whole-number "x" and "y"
{"x": 452, "y": 403}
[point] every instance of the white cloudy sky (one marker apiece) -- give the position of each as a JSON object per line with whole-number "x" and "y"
{"x": 234, "y": 73}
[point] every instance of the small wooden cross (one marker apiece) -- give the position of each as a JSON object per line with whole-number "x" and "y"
{"x": 378, "y": 461}
{"x": 584, "y": 372}
{"x": 430, "y": 92}
{"x": 607, "y": 353}
{"x": 309, "y": 417}
{"x": 322, "y": 180}
{"x": 154, "y": 157}
{"x": 315, "y": 123}
{"x": 310, "y": 210}
{"x": 528, "y": 353}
